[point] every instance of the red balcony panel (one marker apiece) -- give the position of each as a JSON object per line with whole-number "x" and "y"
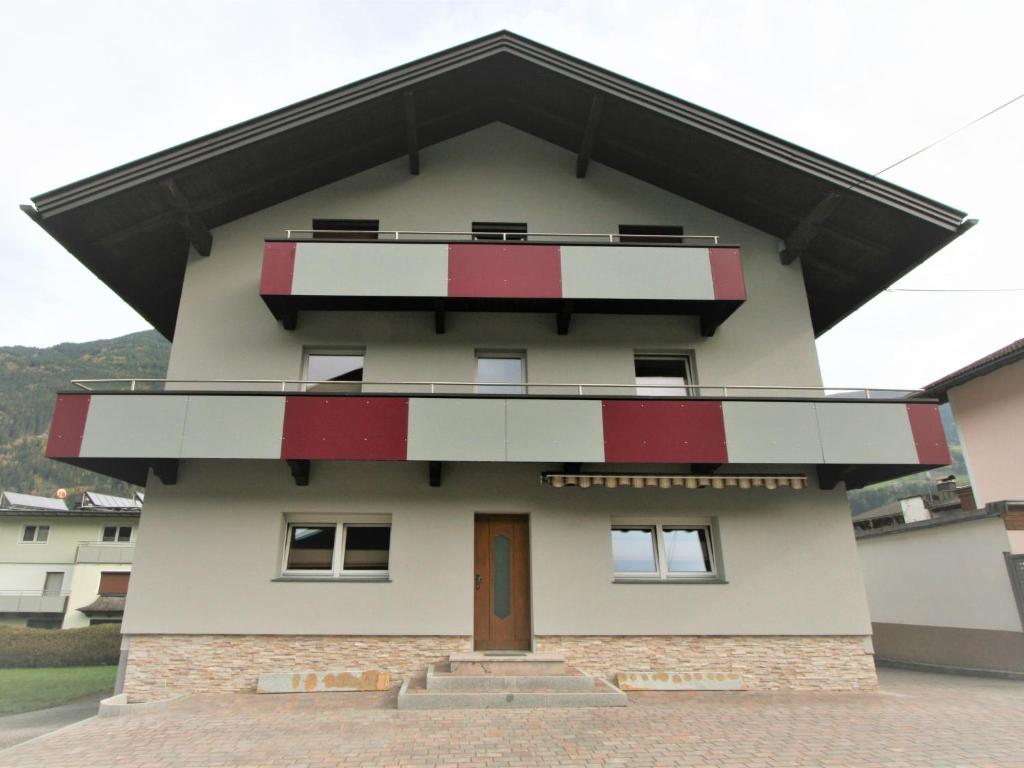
{"x": 68, "y": 426}
{"x": 683, "y": 432}
{"x": 479, "y": 270}
{"x": 345, "y": 428}
{"x": 278, "y": 269}
{"x": 727, "y": 274}
{"x": 929, "y": 437}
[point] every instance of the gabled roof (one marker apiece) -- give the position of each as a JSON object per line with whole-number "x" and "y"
{"x": 11, "y": 501}
{"x": 131, "y": 225}
{"x": 1011, "y": 353}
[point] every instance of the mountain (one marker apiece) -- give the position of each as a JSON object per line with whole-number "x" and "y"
{"x": 29, "y": 380}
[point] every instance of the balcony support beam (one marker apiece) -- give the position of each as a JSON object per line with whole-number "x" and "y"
{"x": 434, "y": 473}
{"x": 800, "y": 239}
{"x": 411, "y": 133}
{"x": 440, "y": 321}
{"x": 195, "y": 231}
{"x": 704, "y": 469}
{"x": 830, "y": 475}
{"x": 589, "y": 136}
{"x": 290, "y": 319}
{"x": 710, "y": 319}
{"x": 300, "y": 470}
{"x": 564, "y": 319}
{"x": 166, "y": 470}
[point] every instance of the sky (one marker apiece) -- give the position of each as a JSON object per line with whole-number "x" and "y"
{"x": 88, "y": 86}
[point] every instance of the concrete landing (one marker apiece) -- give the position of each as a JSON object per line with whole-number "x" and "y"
{"x": 506, "y": 663}
{"x": 414, "y": 694}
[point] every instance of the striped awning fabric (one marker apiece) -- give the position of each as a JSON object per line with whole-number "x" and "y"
{"x": 770, "y": 482}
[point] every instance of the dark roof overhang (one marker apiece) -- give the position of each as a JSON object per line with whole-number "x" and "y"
{"x": 855, "y": 235}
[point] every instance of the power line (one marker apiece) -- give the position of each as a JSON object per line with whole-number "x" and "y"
{"x": 953, "y": 290}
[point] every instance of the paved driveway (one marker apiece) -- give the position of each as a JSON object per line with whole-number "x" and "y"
{"x": 15, "y": 729}
{"x": 917, "y": 720}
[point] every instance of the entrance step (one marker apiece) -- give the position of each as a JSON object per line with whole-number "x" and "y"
{"x": 441, "y": 678}
{"x": 415, "y": 693}
{"x": 506, "y": 663}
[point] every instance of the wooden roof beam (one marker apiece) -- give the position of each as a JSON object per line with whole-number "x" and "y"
{"x": 411, "y": 132}
{"x": 196, "y": 232}
{"x": 800, "y": 239}
{"x": 589, "y": 136}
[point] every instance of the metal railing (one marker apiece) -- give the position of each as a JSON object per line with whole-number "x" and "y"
{"x": 105, "y": 552}
{"x": 35, "y": 592}
{"x": 486, "y": 237}
{"x": 533, "y": 389}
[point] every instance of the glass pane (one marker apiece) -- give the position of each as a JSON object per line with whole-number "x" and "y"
{"x": 633, "y": 550}
{"x": 501, "y": 576}
{"x": 43, "y": 533}
{"x": 54, "y": 581}
{"x": 109, "y": 533}
{"x": 29, "y": 534}
{"x": 310, "y": 548}
{"x": 687, "y": 550}
{"x": 366, "y": 547}
{"x": 345, "y": 369}
{"x": 124, "y": 533}
{"x": 497, "y": 371}
{"x": 661, "y": 376}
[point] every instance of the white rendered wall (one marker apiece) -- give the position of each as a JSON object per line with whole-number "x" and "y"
{"x": 84, "y": 588}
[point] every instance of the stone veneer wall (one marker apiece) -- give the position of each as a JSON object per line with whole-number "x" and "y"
{"x": 766, "y": 662}
{"x": 164, "y": 665}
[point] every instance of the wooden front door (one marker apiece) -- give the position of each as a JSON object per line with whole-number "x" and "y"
{"x": 501, "y": 606}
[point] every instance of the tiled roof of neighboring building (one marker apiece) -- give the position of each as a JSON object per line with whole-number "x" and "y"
{"x": 9, "y": 500}
{"x": 1011, "y": 353}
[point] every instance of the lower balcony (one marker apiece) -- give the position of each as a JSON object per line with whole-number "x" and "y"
{"x": 848, "y": 437}
{"x": 32, "y": 602}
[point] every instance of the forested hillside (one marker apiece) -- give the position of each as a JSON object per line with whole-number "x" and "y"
{"x": 29, "y": 380}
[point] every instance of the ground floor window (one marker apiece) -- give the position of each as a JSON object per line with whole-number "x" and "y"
{"x": 664, "y": 549}
{"x": 339, "y": 547}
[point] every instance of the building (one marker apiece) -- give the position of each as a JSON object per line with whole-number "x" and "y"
{"x": 496, "y": 350}
{"x": 987, "y": 398}
{"x": 948, "y": 592}
{"x": 63, "y": 566}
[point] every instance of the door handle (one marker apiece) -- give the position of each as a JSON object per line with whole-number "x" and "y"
{"x": 479, "y": 581}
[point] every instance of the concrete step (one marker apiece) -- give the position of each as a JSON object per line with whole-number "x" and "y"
{"x": 414, "y": 694}
{"x": 506, "y": 663}
{"x": 441, "y": 678}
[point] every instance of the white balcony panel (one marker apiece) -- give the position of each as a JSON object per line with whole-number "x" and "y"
{"x": 126, "y": 426}
{"x": 370, "y": 269}
{"x": 233, "y": 427}
{"x": 608, "y": 272}
{"x": 105, "y": 552}
{"x": 866, "y": 433}
{"x": 456, "y": 429}
{"x": 555, "y": 430}
{"x": 783, "y": 433}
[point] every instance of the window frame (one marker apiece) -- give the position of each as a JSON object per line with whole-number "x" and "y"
{"x": 341, "y": 524}
{"x": 688, "y": 358}
{"x": 35, "y": 533}
{"x": 513, "y": 231}
{"x": 501, "y": 354}
{"x": 354, "y": 227}
{"x": 307, "y": 352}
{"x": 652, "y": 234}
{"x": 117, "y": 534}
{"x": 661, "y": 574}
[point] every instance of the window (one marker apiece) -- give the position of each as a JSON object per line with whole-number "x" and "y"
{"x": 651, "y": 234}
{"x": 357, "y": 547}
{"x": 35, "y": 534}
{"x": 500, "y": 373}
{"x": 663, "y": 550}
{"x": 661, "y": 375}
{"x": 342, "y": 366}
{"x": 346, "y": 229}
{"x": 53, "y": 583}
{"x": 114, "y": 583}
{"x": 499, "y": 230}
{"x": 117, "y": 533}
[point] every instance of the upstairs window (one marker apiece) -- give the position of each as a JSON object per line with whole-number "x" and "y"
{"x": 114, "y": 583}
{"x": 500, "y": 373}
{"x": 499, "y": 230}
{"x": 117, "y": 533}
{"x": 35, "y": 534}
{"x": 342, "y": 366}
{"x": 662, "y": 375}
{"x": 346, "y": 229}
{"x": 651, "y": 234}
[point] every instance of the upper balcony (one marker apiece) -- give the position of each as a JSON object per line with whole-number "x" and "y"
{"x": 105, "y": 552}
{"x": 125, "y": 427}
{"x": 555, "y": 273}
{"x": 34, "y": 601}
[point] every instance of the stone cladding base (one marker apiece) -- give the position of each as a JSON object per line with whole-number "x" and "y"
{"x": 160, "y": 666}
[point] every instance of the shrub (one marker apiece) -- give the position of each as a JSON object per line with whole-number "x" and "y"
{"x": 83, "y": 647}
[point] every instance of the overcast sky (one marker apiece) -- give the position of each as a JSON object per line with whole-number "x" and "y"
{"x": 87, "y": 86}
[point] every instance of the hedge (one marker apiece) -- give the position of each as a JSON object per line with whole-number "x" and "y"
{"x": 84, "y": 647}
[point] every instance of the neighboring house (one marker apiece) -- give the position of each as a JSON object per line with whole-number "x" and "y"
{"x": 987, "y": 398}
{"x": 909, "y": 510}
{"x": 948, "y": 593}
{"x": 424, "y": 324}
{"x": 65, "y": 566}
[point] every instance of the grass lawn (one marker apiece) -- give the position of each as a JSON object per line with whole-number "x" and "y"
{"x": 23, "y": 690}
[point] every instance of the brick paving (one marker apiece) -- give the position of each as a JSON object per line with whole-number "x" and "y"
{"x": 915, "y": 720}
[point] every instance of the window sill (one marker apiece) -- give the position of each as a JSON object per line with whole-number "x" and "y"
{"x": 383, "y": 578}
{"x": 628, "y": 580}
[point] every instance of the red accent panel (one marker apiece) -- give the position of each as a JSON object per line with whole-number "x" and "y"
{"x": 353, "y": 428}
{"x": 278, "y": 269}
{"x": 638, "y": 431}
{"x": 67, "y": 426}
{"x": 929, "y": 438}
{"x": 727, "y": 274}
{"x": 504, "y": 271}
